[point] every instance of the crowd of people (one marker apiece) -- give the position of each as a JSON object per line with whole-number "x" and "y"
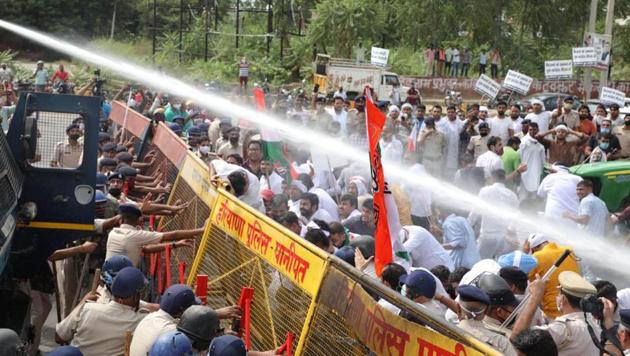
{"x": 471, "y": 268}
{"x": 456, "y": 62}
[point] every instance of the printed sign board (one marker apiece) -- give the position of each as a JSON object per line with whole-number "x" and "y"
{"x": 379, "y": 56}
{"x": 559, "y": 69}
{"x": 517, "y": 82}
{"x": 486, "y": 86}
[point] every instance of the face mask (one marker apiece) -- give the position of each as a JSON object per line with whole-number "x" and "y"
{"x": 603, "y": 145}
{"x": 483, "y": 134}
{"x": 627, "y": 122}
{"x": 568, "y": 106}
{"x": 115, "y": 192}
{"x": 74, "y": 137}
{"x": 605, "y": 130}
{"x": 177, "y": 106}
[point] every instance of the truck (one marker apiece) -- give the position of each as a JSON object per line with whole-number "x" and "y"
{"x": 43, "y": 208}
{"x": 332, "y": 73}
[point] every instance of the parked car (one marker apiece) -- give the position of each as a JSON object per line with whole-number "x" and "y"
{"x": 550, "y": 100}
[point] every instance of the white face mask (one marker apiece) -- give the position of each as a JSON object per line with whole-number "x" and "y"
{"x": 177, "y": 106}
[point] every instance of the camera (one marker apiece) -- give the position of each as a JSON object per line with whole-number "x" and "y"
{"x": 591, "y": 304}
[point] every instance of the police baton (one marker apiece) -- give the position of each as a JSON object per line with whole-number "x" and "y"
{"x": 84, "y": 271}
{"x": 545, "y": 277}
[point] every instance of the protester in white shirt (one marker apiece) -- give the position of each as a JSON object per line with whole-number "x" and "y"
{"x": 391, "y": 147}
{"x": 420, "y": 195}
{"x": 424, "y": 250}
{"x": 494, "y": 229}
{"x": 559, "y": 190}
{"x": 451, "y": 128}
{"x": 340, "y": 115}
{"x": 501, "y": 125}
{"x": 592, "y": 213}
{"x": 491, "y": 160}
{"x": 539, "y": 115}
{"x": 533, "y": 155}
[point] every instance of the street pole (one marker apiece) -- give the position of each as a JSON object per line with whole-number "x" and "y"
{"x": 610, "y": 12}
{"x": 588, "y": 72}
{"x": 269, "y": 24}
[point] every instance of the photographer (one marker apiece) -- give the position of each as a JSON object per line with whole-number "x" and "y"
{"x": 570, "y": 331}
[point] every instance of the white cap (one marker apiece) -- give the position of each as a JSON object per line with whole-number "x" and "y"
{"x": 536, "y": 239}
{"x": 204, "y": 150}
{"x": 406, "y": 106}
{"x": 393, "y": 108}
{"x": 483, "y": 108}
{"x": 562, "y": 127}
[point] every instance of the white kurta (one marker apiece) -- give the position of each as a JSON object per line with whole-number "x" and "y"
{"x": 392, "y": 151}
{"x": 274, "y": 183}
{"x": 533, "y": 155}
{"x": 451, "y": 130}
{"x": 499, "y": 127}
{"x": 559, "y": 189}
{"x": 541, "y": 119}
{"x": 424, "y": 250}
{"x": 494, "y": 228}
{"x": 490, "y": 162}
{"x": 419, "y": 195}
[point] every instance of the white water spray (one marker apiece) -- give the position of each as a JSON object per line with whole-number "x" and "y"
{"x": 596, "y": 252}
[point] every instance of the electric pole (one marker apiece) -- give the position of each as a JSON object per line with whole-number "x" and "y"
{"x": 588, "y": 72}
{"x": 610, "y": 12}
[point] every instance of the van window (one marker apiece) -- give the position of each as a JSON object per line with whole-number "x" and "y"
{"x": 391, "y": 80}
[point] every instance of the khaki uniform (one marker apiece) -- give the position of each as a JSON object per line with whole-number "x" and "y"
{"x": 128, "y": 240}
{"x": 64, "y": 327}
{"x": 67, "y": 155}
{"x": 492, "y": 338}
{"x": 99, "y": 329}
{"x": 624, "y": 140}
{"x": 152, "y": 326}
{"x": 227, "y": 149}
{"x": 432, "y": 151}
{"x": 478, "y": 145}
{"x": 571, "y": 335}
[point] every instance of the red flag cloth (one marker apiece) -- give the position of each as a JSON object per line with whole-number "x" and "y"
{"x": 182, "y": 272}
{"x": 259, "y": 99}
{"x": 375, "y": 121}
{"x": 167, "y": 264}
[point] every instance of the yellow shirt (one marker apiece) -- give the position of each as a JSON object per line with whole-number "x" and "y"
{"x": 546, "y": 258}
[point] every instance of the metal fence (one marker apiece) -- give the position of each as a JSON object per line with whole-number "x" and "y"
{"x": 330, "y": 306}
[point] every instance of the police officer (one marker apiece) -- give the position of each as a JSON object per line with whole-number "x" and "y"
{"x": 473, "y": 304}
{"x": 10, "y": 343}
{"x": 502, "y": 302}
{"x": 623, "y": 332}
{"x": 570, "y": 330}
{"x": 200, "y": 324}
{"x": 99, "y": 329}
{"x": 171, "y": 343}
{"x": 230, "y": 345}
{"x": 173, "y": 302}
{"x": 128, "y": 239}
{"x": 69, "y": 154}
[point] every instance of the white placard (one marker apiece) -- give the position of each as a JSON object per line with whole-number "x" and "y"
{"x": 584, "y": 57}
{"x": 601, "y": 43}
{"x": 559, "y": 69}
{"x": 379, "y": 56}
{"x": 612, "y": 96}
{"x": 486, "y": 86}
{"x": 517, "y": 82}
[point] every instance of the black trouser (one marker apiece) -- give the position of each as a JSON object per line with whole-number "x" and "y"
{"x": 420, "y": 221}
{"x": 494, "y": 70}
{"x": 482, "y": 69}
{"x": 447, "y": 69}
{"x": 465, "y": 67}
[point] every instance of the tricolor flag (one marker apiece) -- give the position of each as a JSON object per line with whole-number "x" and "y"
{"x": 387, "y": 244}
{"x": 273, "y": 147}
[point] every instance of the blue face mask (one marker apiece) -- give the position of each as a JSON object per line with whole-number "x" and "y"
{"x": 603, "y": 145}
{"x": 605, "y": 130}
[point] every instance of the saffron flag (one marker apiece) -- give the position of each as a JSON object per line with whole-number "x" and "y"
{"x": 387, "y": 244}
